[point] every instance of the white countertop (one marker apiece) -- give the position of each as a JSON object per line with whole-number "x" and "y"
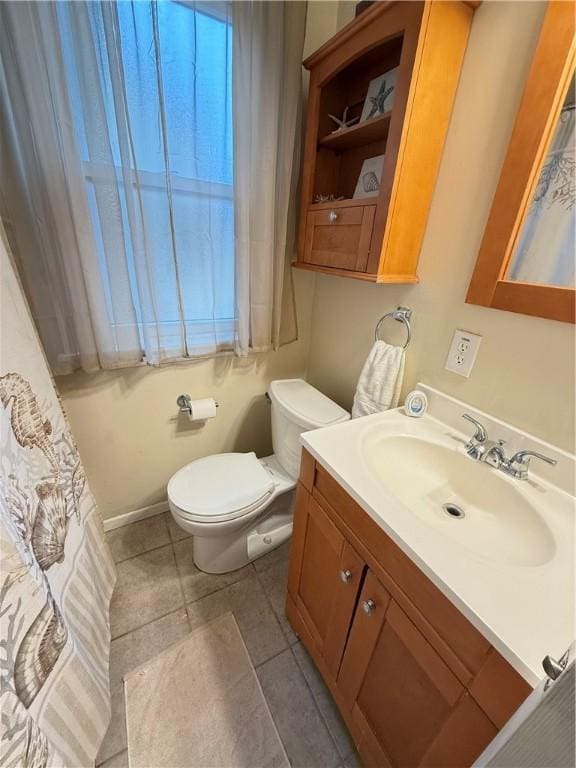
{"x": 524, "y": 611}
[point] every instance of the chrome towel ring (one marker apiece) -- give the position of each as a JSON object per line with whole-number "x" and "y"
{"x": 402, "y": 315}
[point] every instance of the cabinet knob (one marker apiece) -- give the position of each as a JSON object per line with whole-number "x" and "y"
{"x": 345, "y": 576}
{"x": 332, "y": 216}
{"x": 368, "y": 606}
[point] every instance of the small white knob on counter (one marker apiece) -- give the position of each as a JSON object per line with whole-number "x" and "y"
{"x": 416, "y": 403}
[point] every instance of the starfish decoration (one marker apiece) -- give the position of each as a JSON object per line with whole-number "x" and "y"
{"x": 344, "y": 122}
{"x": 379, "y": 100}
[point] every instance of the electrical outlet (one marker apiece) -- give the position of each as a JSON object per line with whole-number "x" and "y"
{"x": 462, "y": 353}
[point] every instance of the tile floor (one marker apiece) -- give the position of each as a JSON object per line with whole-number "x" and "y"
{"x": 160, "y": 596}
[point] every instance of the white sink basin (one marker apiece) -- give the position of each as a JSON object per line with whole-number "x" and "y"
{"x": 469, "y": 502}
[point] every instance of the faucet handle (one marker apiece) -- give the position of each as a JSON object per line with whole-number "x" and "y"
{"x": 480, "y": 435}
{"x": 520, "y": 462}
{"x": 520, "y": 456}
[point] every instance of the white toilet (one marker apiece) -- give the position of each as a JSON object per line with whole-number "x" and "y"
{"x": 239, "y": 507}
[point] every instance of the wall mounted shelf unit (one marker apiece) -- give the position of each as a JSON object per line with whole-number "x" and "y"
{"x": 378, "y": 238}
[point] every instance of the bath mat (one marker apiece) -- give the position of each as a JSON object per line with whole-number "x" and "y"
{"x": 199, "y": 705}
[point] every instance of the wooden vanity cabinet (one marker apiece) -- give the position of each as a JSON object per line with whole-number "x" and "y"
{"x": 376, "y": 235}
{"x": 416, "y": 683}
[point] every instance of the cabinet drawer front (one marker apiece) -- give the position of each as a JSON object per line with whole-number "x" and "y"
{"x": 343, "y": 216}
{"x": 339, "y": 238}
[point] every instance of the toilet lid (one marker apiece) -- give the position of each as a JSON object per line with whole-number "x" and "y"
{"x": 220, "y": 487}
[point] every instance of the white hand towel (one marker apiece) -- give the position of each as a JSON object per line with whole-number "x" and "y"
{"x": 380, "y": 382}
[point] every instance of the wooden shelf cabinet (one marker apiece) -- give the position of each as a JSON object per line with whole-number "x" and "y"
{"x": 426, "y": 42}
{"x": 415, "y": 682}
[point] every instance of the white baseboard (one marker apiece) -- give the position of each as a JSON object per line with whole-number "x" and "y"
{"x": 118, "y": 521}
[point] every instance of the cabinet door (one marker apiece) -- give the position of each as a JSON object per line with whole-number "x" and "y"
{"x": 398, "y": 691}
{"x": 339, "y": 237}
{"x": 325, "y": 575}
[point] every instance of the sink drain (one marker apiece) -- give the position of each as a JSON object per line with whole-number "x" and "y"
{"x": 453, "y": 510}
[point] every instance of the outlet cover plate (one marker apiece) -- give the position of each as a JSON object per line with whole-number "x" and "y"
{"x": 462, "y": 353}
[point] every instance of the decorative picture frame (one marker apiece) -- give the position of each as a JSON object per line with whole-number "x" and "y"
{"x": 368, "y": 184}
{"x": 380, "y": 95}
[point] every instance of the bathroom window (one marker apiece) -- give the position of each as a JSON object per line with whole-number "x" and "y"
{"x": 156, "y": 144}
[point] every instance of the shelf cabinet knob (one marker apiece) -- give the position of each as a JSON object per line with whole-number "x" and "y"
{"x": 345, "y": 576}
{"x": 332, "y": 216}
{"x": 368, "y": 606}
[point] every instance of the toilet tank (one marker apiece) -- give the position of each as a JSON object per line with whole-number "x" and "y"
{"x": 298, "y": 407}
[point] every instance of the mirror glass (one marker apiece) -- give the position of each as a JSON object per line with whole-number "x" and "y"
{"x": 545, "y": 250}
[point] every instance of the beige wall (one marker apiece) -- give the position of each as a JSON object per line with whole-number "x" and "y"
{"x": 524, "y": 372}
{"x": 126, "y": 424}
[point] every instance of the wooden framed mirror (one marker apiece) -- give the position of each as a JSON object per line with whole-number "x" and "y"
{"x": 526, "y": 259}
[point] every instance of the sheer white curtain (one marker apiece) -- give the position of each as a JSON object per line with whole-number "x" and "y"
{"x": 126, "y": 166}
{"x": 44, "y": 197}
{"x": 268, "y": 43}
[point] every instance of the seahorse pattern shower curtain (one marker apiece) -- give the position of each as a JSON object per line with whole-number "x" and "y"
{"x": 56, "y": 575}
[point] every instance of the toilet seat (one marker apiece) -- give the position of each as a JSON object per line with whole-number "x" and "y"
{"x": 225, "y": 486}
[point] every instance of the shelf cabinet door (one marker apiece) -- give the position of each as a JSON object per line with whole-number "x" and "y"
{"x": 325, "y": 576}
{"x": 398, "y": 691}
{"x": 339, "y": 237}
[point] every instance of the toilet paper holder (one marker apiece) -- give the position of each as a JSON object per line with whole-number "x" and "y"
{"x": 184, "y": 403}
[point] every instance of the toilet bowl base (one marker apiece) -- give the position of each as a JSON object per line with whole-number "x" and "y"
{"x": 222, "y": 554}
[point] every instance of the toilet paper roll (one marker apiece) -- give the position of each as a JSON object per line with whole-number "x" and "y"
{"x": 202, "y": 409}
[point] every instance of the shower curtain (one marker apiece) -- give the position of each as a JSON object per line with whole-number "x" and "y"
{"x": 56, "y": 575}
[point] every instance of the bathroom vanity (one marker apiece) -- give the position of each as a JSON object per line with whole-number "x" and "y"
{"x": 427, "y": 643}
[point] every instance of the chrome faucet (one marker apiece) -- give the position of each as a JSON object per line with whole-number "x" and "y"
{"x": 490, "y": 452}
{"x": 480, "y": 448}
